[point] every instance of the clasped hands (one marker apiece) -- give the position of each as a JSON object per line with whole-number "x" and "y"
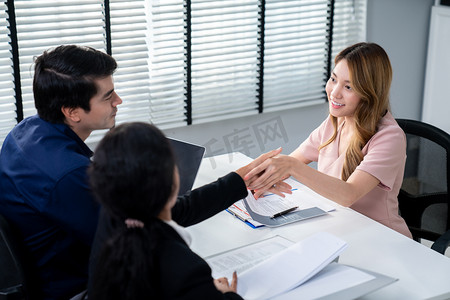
{"x": 266, "y": 174}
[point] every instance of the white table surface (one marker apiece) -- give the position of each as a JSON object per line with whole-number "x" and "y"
{"x": 422, "y": 272}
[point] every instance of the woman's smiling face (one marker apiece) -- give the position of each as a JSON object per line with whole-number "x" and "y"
{"x": 343, "y": 100}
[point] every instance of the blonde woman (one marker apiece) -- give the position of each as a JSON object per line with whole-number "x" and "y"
{"x": 359, "y": 148}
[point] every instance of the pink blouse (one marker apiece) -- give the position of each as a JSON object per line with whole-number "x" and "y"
{"x": 384, "y": 158}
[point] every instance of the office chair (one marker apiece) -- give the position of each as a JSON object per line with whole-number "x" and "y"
{"x": 423, "y": 198}
{"x": 12, "y": 275}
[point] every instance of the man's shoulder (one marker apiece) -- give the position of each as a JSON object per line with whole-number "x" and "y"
{"x": 34, "y": 127}
{"x": 35, "y": 144}
{"x": 30, "y": 131}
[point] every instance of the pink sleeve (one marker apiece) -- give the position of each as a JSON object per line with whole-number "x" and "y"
{"x": 385, "y": 155}
{"x": 310, "y": 147}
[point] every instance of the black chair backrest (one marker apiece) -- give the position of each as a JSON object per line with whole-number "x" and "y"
{"x": 12, "y": 275}
{"x": 424, "y": 199}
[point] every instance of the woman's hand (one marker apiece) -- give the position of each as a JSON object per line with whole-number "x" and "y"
{"x": 263, "y": 157}
{"x": 223, "y": 286}
{"x": 280, "y": 188}
{"x": 268, "y": 175}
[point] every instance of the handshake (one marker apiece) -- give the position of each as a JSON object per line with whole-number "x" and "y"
{"x": 266, "y": 174}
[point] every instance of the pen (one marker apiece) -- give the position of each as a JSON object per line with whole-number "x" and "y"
{"x": 284, "y": 212}
{"x": 236, "y": 215}
{"x": 239, "y": 217}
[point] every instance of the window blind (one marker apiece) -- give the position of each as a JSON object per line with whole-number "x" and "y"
{"x": 295, "y": 53}
{"x": 128, "y": 47}
{"x": 349, "y": 24}
{"x": 44, "y": 24}
{"x": 167, "y": 53}
{"x": 7, "y": 100}
{"x": 224, "y": 59}
{"x": 186, "y": 61}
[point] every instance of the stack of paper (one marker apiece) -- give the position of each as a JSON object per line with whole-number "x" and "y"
{"x": 334, "y": 282}
{"x": 290, "y": 267}
{"x": 302, "y": 204}
{"x": 243, "y": 258}
{"x": 277, "y": 268}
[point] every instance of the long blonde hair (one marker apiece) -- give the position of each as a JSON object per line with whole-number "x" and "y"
{"x": 371, "y": 75}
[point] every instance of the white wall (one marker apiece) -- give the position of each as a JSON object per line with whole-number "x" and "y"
{"x": 399, "y": 26}
{"x": 436, "y": 99}
{"x": 255, "y": 134}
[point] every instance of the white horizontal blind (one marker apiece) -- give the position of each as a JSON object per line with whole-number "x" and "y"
{"x": 149, "y": 42}
{"x": 129, "y": 49}
{"x": 224, "y": 59}
{"x": 295, "y": 55}
{"x": 167, "y": 52}
{"x": 349, "y": 24}
{"x": 44, "y": 24}
{"x": 7, "y": 100}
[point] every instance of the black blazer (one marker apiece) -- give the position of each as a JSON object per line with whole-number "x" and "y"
{"x": 190, "y": 209}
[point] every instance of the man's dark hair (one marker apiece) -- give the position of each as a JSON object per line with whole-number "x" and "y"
{"x": 64, "y": 77}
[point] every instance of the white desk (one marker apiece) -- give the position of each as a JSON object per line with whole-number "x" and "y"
{"x": 422, "y": 272}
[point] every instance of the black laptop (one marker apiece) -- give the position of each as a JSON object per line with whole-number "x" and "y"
{"x": 188, "y": 157}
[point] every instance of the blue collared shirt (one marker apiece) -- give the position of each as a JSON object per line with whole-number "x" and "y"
{"x": 44, "y": 192}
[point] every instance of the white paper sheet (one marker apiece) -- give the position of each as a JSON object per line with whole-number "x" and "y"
{"x": 243, "y": 258}
{"x": 290, "y": 267}
{"x": 332, "y": 279}
{"x": 303, "y": 197}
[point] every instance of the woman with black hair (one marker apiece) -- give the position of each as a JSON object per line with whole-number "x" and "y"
{"x": 147, "y": 254}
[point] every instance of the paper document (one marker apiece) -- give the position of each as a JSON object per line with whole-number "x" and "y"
{"x": 243, "y": 258}
{"x": 331, "y": 280}
{"x": 279, "y": 269}
{"x": 301, "y": 197}
{"x": 273, "y": 210}
{"x": 290, "y": 267}
{"x": 302, "y": 204}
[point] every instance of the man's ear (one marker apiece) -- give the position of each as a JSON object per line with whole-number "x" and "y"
{"x": 71, "y": 114}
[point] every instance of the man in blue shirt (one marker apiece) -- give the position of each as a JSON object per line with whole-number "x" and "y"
{"x": 44, "y": 188}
